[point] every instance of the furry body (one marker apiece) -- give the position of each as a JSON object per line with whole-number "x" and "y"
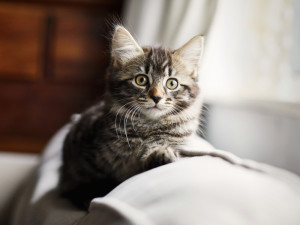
{"x": 142, "y": 122}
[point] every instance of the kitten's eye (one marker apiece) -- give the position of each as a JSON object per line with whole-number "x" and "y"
{"x": 141, "y": 80}
{"x": 172, "y": 83}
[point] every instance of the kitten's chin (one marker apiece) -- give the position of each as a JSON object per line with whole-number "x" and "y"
{"x": 154, "y": 113}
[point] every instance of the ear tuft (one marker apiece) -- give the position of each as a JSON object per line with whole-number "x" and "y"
{"x": 191, "y": 52}
{"x": 124, "y": 47}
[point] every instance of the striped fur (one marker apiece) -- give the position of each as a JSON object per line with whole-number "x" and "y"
{"x": 128, "y": 132}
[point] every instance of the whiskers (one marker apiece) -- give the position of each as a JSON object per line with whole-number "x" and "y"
{"x": 179, "y": 119}
{"x": 122, "y": 116}
{"x": 203, "y": 121}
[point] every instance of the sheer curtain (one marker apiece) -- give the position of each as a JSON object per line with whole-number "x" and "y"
{"x": 168, "y": 22}
{"x": 250, "y": 50}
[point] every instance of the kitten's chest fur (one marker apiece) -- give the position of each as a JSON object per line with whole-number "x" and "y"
{"x": 116, "y": 143}
{"x": 133, "y": 131}
{"x": 138, "y": 131}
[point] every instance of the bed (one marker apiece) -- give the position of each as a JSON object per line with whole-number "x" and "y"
{"x": 209, "y": 186}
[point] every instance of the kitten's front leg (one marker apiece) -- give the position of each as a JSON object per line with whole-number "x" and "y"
{"x": 160, "y": 155}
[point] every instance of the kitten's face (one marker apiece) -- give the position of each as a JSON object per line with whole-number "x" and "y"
{"x": 153, "y": 81}
{"x": 157, "y": 82}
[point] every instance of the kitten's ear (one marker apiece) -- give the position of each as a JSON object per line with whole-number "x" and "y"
{"x": 124, "y": 47}
{"x": 191, "y": 52}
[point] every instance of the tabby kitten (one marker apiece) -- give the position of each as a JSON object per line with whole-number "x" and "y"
{"x": 151, "y": 108}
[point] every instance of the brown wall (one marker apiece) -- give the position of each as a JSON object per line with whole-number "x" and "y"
{"x": 53, "y": 58}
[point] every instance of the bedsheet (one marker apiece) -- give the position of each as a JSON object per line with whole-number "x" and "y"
{"x": 208, "y": 186}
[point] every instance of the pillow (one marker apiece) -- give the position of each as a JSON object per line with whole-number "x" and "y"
{"x": 214, "y": 188}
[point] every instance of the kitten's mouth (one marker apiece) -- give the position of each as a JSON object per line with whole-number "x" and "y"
{"x": 154, "y": 112}
{"x": 154, "y": 107}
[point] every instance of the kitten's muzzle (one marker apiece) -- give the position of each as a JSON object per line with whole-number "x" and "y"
{"x": 156, "y": 99}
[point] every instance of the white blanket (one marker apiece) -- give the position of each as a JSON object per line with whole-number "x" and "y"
{"x": 216, "y": 188}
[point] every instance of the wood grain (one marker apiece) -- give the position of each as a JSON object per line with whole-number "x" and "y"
{"x": 80, "y": 48}
{"x": 21, "y": 42}
{"x": 53, "y": 59}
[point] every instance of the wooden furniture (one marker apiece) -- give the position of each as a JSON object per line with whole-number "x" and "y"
{"x": 53, "y": 59}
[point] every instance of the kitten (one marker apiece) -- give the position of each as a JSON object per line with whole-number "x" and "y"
{"x": 151, "y": 108}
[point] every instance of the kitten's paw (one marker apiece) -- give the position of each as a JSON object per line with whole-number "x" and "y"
{"x": 161, "y": 157}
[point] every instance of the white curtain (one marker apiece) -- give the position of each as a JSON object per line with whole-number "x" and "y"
{"x": 168, "y": 22}
{"x": 249, "y": 52}
{"x": 250, "y": 43}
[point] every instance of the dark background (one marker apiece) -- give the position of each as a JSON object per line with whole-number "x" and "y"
{"x": 53, "y": 60}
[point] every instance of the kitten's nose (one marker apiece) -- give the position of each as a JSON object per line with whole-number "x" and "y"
{"x": 156, "y": 99}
